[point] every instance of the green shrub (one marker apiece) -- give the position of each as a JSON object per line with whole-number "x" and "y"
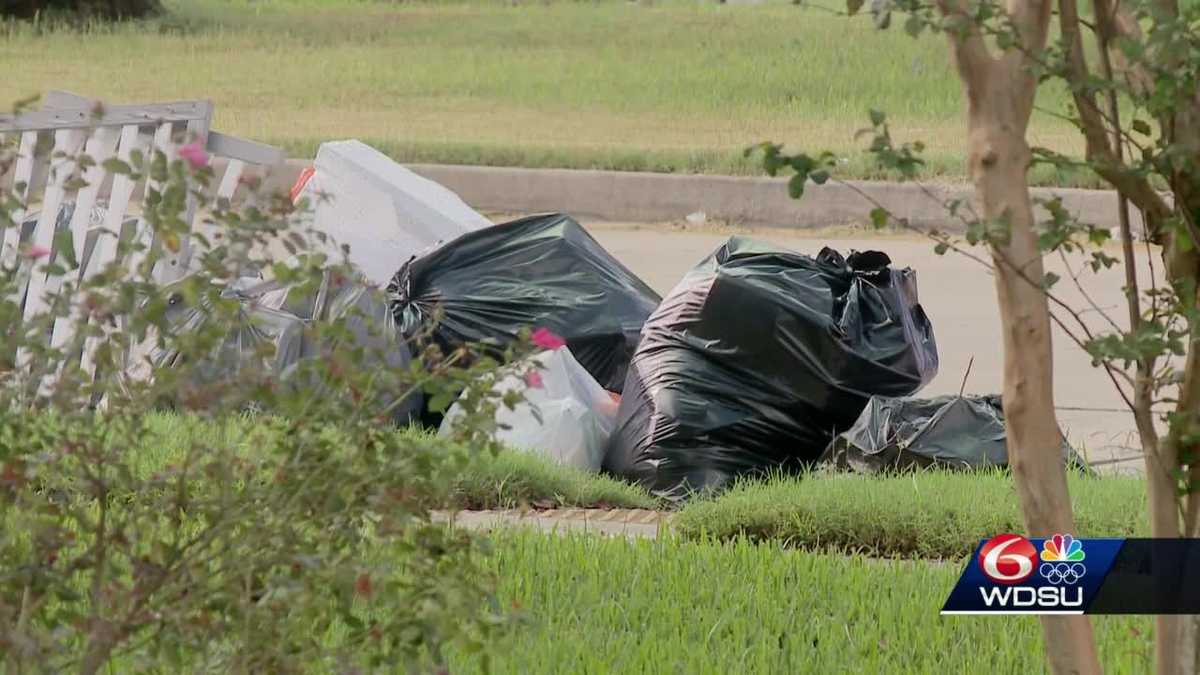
{"x": 276, "y": 506}
{"x": 103, "y": 9}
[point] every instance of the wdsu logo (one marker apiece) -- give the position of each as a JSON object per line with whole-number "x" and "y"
{"x": 1010, "y": 560}
{"x": 1010, "y": 574}
{"x": 1014, "y": 575}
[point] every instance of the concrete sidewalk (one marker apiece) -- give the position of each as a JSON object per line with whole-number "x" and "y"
{"x": 633, "y": 523}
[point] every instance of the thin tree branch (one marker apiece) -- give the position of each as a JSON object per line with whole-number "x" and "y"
{"x": 1112, "y": 372}
{"x": 1082, "y": 291}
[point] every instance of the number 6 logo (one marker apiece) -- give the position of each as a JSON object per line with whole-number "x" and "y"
{"x": 1008, "y": 559}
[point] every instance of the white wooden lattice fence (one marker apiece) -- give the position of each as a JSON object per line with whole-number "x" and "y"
{"x": 50, "y": 142}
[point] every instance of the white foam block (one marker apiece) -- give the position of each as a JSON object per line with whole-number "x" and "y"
{"x": 384, "y": 212}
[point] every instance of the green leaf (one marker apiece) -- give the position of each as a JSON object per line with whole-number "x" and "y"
{"x": 1049, "y": 280}
{"x": 1142, "y": 127}
{"x": 819, "y": 176}
{"x": 802, "y": 163}
{"x": 63, "y": 244}
{"x": 114, "y": 165}
{"x": 1100, "y": 259}
{"x": 877, "y": 117}
{"x": 941, "y": 248}
{"x": 796, "y": 186}
{"x": 440, "y": 401}
{"x": 914, "y": 25}
{"x": 879, "y": 217}
{"x": 1099, "y": 235}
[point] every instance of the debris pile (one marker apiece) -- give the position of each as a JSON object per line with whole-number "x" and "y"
{"x": 760, "y": 359}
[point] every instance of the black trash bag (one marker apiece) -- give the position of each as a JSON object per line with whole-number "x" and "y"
{"x": 542, "y": 271}
{"x": 758, "y": 357}
{"x": 950, "y": 432}
{"x": 270, "y": 336}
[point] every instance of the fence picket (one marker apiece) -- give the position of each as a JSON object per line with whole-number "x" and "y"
{"x": 143, "y": 233}
{"x": 107, "y": 241}
{"x": 22, "y": 182}
{"x": 100, "y": 147}
{"x": 67, "y": 145}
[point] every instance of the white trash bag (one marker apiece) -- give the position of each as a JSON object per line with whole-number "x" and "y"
{"x": 577, "y": 413}
{"x": 384, "y": 212}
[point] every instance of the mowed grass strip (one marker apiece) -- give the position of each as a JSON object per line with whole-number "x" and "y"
{"x": 511, "y": 479}
{"x": 597, "y": 605}
{"x": 519, "y": 479}
{"x": 933, "y": 514}
{"x": 673, "y": 85}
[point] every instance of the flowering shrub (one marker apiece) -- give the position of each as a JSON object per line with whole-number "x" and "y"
{"x": 304, "y": 544}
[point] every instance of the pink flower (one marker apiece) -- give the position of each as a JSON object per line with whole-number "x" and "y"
{"x": 547, "y": 339}
{"x": 194, "y": 154}
{"x": 363, "y": 585}
{"x": 533, "y": 379}
{"x": 34, "y": 252}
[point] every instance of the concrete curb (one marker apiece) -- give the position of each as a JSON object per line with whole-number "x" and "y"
{"x": 750, "y": 201}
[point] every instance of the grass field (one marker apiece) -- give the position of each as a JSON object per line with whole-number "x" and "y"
{"x": 673, "y": 85}
{"x": 599, "y": 605}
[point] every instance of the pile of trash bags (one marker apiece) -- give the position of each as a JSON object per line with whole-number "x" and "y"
{"x": 949, "y": 432}
{"x": 538, "y": 272}
{"x": 758, "y": 357}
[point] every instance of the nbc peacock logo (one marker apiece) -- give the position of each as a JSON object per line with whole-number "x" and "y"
{"x": 1062, "y": 560}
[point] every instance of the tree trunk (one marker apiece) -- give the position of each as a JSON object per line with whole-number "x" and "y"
{"x": 1179, "y": 650}
{"x": 999, "y": 158}
{"x": 1175, "y": 636}
{"x": 1000, "y": 93}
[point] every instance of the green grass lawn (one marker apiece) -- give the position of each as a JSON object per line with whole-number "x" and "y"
{"x": 933, "y": 514}
{"x": 786, "y": 575}
{"x": 597, "y": 605}
{"x": 674, "y": 85}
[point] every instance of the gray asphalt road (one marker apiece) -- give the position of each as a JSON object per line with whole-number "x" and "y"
{"x": 959, "y": 297}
